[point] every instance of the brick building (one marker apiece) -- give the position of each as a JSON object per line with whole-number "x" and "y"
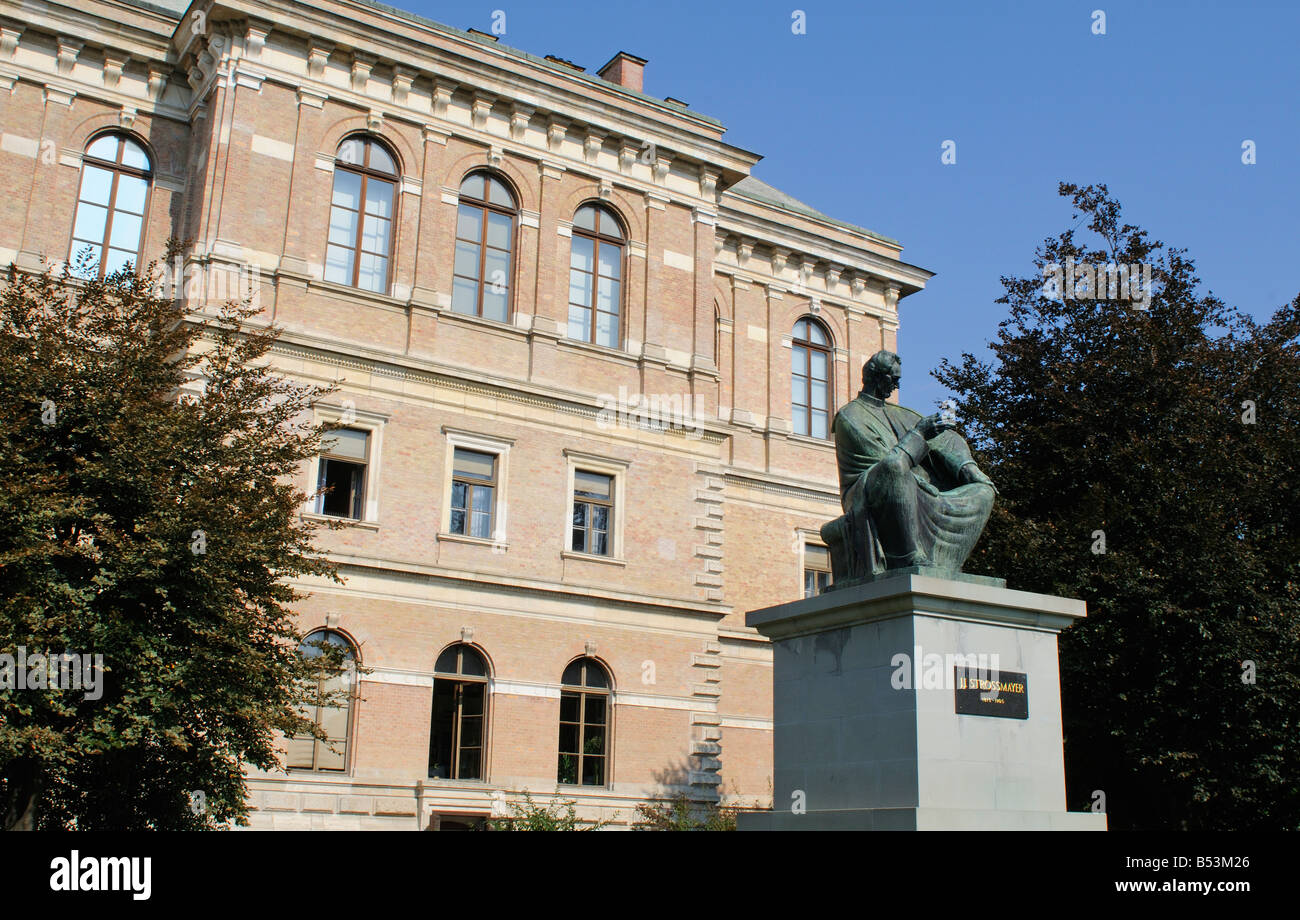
{"x": 586, "y": 362}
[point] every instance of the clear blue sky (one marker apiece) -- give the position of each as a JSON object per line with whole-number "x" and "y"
{"x": 850, "y": 118}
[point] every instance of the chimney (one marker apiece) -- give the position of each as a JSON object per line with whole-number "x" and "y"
{"x": 627, "y": 70}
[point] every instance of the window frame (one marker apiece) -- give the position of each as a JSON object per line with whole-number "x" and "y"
{"x": 362, "y": 420}
{"x": 459, "y": 678}
{"x": 609, "y": 466}
{"x": 367, "y": 173}
{"x": 486, "y": 444}
{"x": 470, "y": 484}
{"x": 809, "y": 347}
{"x": 117, "y": 169}
{"x": 486, "y": 206}
{"x": 582, "y": 692}
{"x": 323, "y": 458}
{"x": 349, "y": 730}
{"x": 806, "y": 568}
{"x": 598, "y": 239}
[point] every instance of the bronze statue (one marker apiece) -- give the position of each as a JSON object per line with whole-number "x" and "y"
{"x": 913, "y": 497}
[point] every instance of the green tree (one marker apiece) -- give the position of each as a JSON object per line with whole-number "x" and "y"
{"x": 679, "y": 813}
{"x": 560, "y": 815}
{"x": 1147, "y": 462}
{"x": 154, "y": 528}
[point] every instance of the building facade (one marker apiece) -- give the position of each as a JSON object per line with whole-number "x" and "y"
{"x": 585, "y": 364}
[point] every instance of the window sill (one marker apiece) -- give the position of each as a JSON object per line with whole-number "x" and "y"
{"x": 317, "y": 518}
{"x": 592, "y": 557}
{"x": 473, "y": 541}
{"x": 356, "y": 293}
{"x": 448, "y": 781}
{"x": 603, "y": 351}
{"x": 811, "y": 441}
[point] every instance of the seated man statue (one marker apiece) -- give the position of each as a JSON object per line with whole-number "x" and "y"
{"x": 912, "y": 495}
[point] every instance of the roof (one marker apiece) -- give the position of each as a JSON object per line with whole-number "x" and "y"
{"x": 757, "y": 190}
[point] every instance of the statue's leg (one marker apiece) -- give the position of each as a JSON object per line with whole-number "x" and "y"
{"x": 892, "y": 498}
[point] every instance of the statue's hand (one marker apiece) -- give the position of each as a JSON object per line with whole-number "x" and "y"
{"x": 972, "y": 473}
{"x": 933, "y": 425}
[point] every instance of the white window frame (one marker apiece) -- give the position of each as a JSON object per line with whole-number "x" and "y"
{"x": 373, "y": 424}
{"x": 617, "y": 470}
{"x": 487, "y": 444}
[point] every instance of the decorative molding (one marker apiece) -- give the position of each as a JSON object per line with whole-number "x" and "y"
{"x": 9, "y": 41}
{"x": 442, "y": 90}
{"x": 255, "y": 34}
{"x": 157, "y": 82}
{"x": 556, "y": 128}
{"x": 592, "y": 144}
{"x": 375, "y": 120}
{"x": 480, "y": 108}
{"x": 318, "y": 55}
{"x": 69, "y": 49}
{"x": 779, "y": 256}
{"x": 708, "y": 183}
{"x": 520, "y": 116}
{"x": 627, "y": 154}
{"x": 403, "y": 77}
{"x": 126, "y": 118}
{"x": 662, "y": 165}
{"x": 113, "y": 63}
{"x": 311, "y": 97}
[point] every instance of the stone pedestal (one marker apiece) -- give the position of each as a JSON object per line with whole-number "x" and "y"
{"x": 867, "y": 733}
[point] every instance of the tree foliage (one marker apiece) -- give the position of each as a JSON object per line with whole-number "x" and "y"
{"x": 679, "y": 813}
{"x": 158, "y": 530}
{"x": 1171, "y": 434}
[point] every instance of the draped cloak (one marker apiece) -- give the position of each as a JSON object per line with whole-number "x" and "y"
{"x": 943, "y": 517}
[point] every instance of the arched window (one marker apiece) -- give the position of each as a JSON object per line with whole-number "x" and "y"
{"x": 111, "y": 205}
{"x": 810, "y": 388}
{"x": 459, "y": 723}
{"x": 335, "y": 685}
{"x": 596, "y": 277}
{"x": 584, "y": 724}
{"x": 360, "y": 246}
{"x": 485, "y": 240}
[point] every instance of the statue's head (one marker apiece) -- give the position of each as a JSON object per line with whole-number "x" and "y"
{"x": 881, "y": 373}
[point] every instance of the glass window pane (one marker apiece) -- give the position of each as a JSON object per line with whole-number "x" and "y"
{"x": 464, "y": 296}
{"x": 469, "y": 763}
{"x": 374, "y": 236}
{"x": 334, "y": 721}
{"x": 379, "y": 198}
{"x": 599, "y": 543}
{"x": 96, "y": 185}
{"x": 608, "y": 224}
{"x": 482, "y": 499}
{"x": 338, "y": 264}
{"x": 496, "y": 269}
{"x": 116, "y": 260}
{"x": 568, "y": 707}
{"x": 820, "y": 425}
{"x": 579, "y": 323}
{"x": 346, "y": 442}
{"x": 581, "y": 253}
{"x": 495, "y": 306}
{"x": 353, "y": 151}
{"x": 90, "y": 268}
{"x": 126, "y": 232}
{"x": 818, "y": 364}
{"x": 467, "y": 259}
{"x": 799, "y": 390}
{"x": 611, "y": 261}
{"x": 595, "y": 702}
{"x": 327, "y": 759}
{"x": 593, "y": 737}
{"x": 595, "y": 485}
{"x": 799, "y": 360}
{"x": 799, "y": 419}
{"x": 459, "y": 494}
{"x": 472, "y": 187}
{"x": 568, "y": 738}
{"x": 499, "y": 194}
{"x": 499, "y": 230}
{"x": 446, "y": 662}
{"x": 343, "y": 227}
{"x": 474, "y": 464}
{"x": 816, "y": 557}
{"x": 471, "y": 662}
{"x": 819, "y": 392}
{"x": 480, "y": 524}
{"x": 593, "y": 771}
{"x": 131, "y": 194}
{"x": 607, "y": 293}
{"x": 373, "y": 275}
{"x": 298, "y": 753}
{"x": 607, "y": 330}
{"x": 585, "y": 219}
{"x": 347, "y": 189}
{"x": 579, "y": 291}
{"x": 89, "y": 225}
{"x": 458, "y": 521}
{"x": 469, "y": 223}
{"x": 105, "y": 148}
{"x": 600, "y": 517}
{"x": 133, "y": 155}
{"x": 380, "y": 160}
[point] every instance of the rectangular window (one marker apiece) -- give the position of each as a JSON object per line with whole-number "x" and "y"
{"x": 343, "y": 460}
{"x": 473, "y": 491}
{"x": 816, "y": 569}
{"x": 593, "y": 512}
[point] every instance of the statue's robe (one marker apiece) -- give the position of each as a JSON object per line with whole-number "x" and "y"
{"x": 904, "y": 497}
